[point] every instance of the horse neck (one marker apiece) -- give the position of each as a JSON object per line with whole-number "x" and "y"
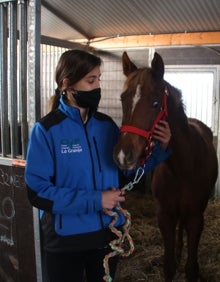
{"x": 180, "y": 141}
{"x": 177, "y": 118}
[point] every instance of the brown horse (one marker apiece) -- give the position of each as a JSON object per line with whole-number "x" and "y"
{"x": 181, "y": 185}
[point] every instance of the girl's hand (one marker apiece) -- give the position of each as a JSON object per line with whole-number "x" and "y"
{"x": 110, "y": 198}
{"x": 162, "y": 133}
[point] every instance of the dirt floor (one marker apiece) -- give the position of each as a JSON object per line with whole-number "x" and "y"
{"x": 145, "y": 264}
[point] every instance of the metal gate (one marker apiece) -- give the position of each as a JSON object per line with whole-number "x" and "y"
{"x": 20, "y": 107}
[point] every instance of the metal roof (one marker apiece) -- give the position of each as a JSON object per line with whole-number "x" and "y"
{"x": 93, "y": 19}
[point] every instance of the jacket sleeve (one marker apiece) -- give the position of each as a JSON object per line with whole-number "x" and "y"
{"x": 157, "y": 156}
{"x": 40, "y": 180}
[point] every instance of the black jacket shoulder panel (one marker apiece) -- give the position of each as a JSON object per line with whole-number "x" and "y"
{"x": 103, "y": 117}
{"x": 52, "y": 119}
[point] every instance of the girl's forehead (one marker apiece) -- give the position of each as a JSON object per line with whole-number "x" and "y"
{"x": 96, "y": 72}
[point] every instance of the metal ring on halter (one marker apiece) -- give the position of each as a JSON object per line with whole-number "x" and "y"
{"x": 138, "y": 175}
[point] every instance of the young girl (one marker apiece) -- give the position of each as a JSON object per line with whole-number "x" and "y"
{"x": 71, "y": 176}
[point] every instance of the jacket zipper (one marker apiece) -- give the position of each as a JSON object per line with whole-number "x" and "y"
{"x": 97, "y": 153}
{"x": 93, "y": 171}
{"x": 60, "y": 222}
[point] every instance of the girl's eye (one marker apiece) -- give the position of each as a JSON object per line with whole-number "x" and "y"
{"x": 91, "y": 81}
{"x": 155, "y": 104}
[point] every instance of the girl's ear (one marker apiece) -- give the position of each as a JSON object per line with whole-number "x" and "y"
{"x": 65, "y": 84}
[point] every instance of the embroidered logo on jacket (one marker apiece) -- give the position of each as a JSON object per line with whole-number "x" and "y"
{"x": 70, "y": 146}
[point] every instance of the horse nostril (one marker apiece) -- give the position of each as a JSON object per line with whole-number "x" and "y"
{"x": 129, "y": 156}
{"x": 125, "y": 158}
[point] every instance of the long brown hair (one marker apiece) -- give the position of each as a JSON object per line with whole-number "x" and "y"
{"x": 73, "y": 65}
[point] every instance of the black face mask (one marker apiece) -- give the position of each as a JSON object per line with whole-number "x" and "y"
{"x": 88, "y": 99}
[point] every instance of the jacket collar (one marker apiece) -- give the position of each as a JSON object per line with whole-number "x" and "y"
{"x": 71, "y": 112}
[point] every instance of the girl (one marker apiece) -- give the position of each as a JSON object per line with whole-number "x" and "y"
{"x": 71, "y": 176}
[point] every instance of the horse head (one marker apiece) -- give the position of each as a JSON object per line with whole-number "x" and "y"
{"x": 143, "y": 105}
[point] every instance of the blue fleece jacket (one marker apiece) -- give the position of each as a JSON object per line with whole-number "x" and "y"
{"x": 68, "y": 166}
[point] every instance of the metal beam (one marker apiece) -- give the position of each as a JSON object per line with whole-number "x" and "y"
{"x": 176, "y": 39}
{"x": 61, "y": 43}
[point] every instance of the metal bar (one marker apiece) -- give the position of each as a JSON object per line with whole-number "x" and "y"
{"x": 37, "y": 59}
{"x": 38, "y": 255}
{"x": 13, "y": 78}
{"x": 63, "y": 43}
{"x": 6, "y": 1}
{"x": 23, "y": 74}
{"x": 3, "y": 80}
{"x": 34, "y": 104}
{"x": 6, "y": 161}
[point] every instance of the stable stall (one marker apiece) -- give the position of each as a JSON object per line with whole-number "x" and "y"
{"x": 33, "y": 34}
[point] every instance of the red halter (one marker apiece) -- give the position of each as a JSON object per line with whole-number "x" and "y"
{"x": 162, "y": 115}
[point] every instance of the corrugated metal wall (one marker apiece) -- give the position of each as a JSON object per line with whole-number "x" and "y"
{"x": 197, "y": 87}
{"x": 197, "y": 83}
{"x": 99, "y": 18}
{"x": 49, "y": 58}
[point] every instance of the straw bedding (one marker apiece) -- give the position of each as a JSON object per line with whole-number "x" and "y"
{"x": 145, "y": 264}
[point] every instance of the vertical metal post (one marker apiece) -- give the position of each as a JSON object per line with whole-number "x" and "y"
{"x": 216, "y": 124}
{"x": 3, "y": 80}
{"x": 13, "y": 111}
{"x": 22, "y": 4}
{"x": 34, "y": 36}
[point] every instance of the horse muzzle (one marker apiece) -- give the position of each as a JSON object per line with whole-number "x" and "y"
{"x": 127, "y": 152}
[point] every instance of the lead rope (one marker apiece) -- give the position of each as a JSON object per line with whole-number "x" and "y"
{"x": 123, "y": 245}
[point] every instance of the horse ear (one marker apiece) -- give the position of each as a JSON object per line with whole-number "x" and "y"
{"x": 128, "y": 66}
{"x": 157, "y": 66}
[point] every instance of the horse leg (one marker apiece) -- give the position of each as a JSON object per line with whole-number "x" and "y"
{"x": 167, "y": 225}
{"x": 194, "y": 227}
{"x": 179, "y": 241}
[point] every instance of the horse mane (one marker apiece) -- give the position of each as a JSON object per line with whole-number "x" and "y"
{"x": 176, "y": 107}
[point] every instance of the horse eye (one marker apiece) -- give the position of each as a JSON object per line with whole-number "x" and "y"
{"x": 155, "y": 104}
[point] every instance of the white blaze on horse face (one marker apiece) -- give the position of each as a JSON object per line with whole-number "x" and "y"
{"x": 136, "y": 97}
{"x": 121, "y": 157}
